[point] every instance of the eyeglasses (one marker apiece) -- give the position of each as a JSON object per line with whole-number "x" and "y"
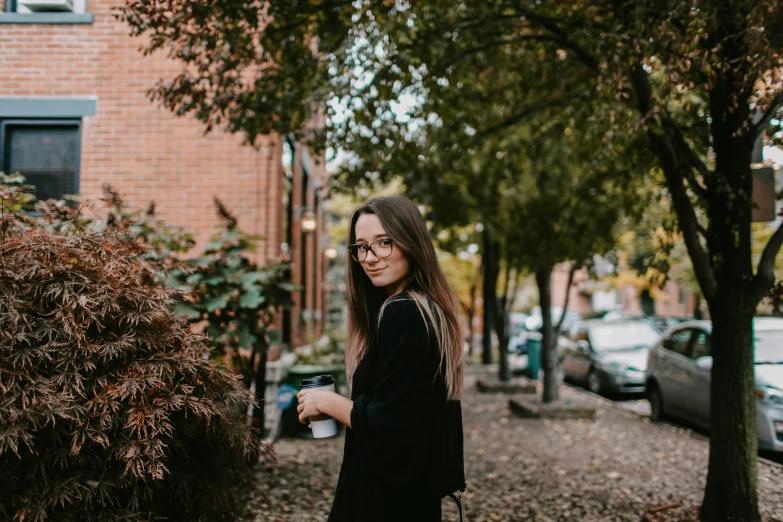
{"x": 382, "y": 249}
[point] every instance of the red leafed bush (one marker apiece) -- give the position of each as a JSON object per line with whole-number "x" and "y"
{"x": 110, "y": 408}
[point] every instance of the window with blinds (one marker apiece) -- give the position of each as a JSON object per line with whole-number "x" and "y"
{"x": 47, "y": 156}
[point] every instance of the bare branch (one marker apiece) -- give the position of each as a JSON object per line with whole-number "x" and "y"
{"x": 512, "y": 299}
{"x": 574, "y": 267}
{"x": 765, "y": 272}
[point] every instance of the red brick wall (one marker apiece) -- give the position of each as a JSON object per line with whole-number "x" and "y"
{"x": 140, "y": 148}
{"x": 576, "y": 301}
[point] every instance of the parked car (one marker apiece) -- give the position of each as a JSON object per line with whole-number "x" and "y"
{"x": 678, "y": 377}
{"x": 535, "y": 321}
{"x": 608, "y": 356}
{"x": 664, "y": 323}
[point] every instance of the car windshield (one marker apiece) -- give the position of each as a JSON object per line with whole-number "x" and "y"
{"x": 768, "y": 346}
{"x": 612, "y": 337}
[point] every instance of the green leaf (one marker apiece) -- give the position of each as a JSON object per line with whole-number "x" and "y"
{"x": 246, "y": 339}
{"x": 216, "y": 302}
{"x": 193, "y": 278}
{"x": 186, "y": 310}
{"x": 251, "y": 299}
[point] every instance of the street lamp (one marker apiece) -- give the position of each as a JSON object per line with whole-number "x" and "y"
{"x": 330, "y": 252}
{"x": 308, "y": 222}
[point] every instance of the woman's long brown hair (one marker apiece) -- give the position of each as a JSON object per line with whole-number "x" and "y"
{"x": 425, "y": 283}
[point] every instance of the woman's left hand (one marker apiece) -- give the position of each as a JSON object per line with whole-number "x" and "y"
{"x": 310, "y": 403}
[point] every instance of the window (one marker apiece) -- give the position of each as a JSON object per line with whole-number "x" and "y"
{"x": 46, "y": 12}
{"x": 45, "y": 152}
{"x": 679, "y": 341}
{"x": 701, "y": 345}
{"x": 46, "y": 6}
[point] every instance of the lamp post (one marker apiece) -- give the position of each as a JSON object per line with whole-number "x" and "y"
{"x": 308, "y": 222}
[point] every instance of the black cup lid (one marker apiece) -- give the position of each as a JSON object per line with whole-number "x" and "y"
{"x": 317, "y": 381}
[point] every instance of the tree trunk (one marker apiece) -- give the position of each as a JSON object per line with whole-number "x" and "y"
{"x": 259, "y": 417}
{"x": 549, "y": 356}
{"x": 471, "y": 314}
{"x": 501, "y": 328}
{"x": 697, "y": 313}
{"x": 731, "y": 493}
{"x": 491, "y": 272}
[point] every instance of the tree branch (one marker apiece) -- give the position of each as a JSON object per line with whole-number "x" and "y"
{"x": 506, "y": 285}
{"x": 757, "y": 127}
{"x": 670, "y": 157}
{"x": 551, "y": 25}
{"x": 498, "y": 43}
{"x": 512, "y": 299}
{"x": 528, "y": 110}
{"x": 693, "y": 158}
{"x": 574, "y": 267}
{"x": 765, "y": 272}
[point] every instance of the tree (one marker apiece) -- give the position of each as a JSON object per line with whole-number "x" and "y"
{"x": 237, "y": 300}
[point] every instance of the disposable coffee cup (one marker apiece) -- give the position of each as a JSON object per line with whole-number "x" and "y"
{"x": 323, "y": 426}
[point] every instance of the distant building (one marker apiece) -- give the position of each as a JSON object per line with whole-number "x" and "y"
{"x": 586, "y": 296}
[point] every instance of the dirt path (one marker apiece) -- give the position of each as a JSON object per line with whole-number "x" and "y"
{"x": 619, "y": 467}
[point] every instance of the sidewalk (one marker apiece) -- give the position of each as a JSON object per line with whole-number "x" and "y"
{"x": 618, "y": 468}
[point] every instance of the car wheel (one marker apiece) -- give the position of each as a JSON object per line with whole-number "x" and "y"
{"x": 594, "y": 382}
{"x": 655, "y": 398}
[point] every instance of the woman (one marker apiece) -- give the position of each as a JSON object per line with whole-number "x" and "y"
{"x": 404, "y": 358}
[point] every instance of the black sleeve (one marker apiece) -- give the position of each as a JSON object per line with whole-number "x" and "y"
{"x": 393, "y": 425}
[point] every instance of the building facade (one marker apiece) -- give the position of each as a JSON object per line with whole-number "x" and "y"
{"x": 74, "y": 115}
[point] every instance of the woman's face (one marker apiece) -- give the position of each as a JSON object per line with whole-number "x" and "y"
{"x": 385, "y": 272}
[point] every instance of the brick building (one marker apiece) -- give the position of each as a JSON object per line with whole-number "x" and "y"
{"x": 74, "y": 115}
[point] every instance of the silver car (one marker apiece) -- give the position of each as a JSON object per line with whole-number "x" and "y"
{"x": 678, "y": 377}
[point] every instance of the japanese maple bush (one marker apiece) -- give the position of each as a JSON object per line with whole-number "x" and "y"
{"x": 110, "y": 407}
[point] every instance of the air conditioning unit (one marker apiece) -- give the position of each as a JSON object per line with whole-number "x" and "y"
{"x": 47, "y": 6}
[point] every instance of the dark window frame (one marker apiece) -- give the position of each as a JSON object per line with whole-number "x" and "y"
{"x": 41, "y": 123}
{"x": 670, "y": 341}
{"x": 692, "y": 348}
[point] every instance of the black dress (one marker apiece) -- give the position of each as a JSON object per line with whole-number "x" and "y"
{"x": 404, "y": 452}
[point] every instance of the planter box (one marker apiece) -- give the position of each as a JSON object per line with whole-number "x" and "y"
{"x": 513, "y": 387}
{"x": 535, "y": 409}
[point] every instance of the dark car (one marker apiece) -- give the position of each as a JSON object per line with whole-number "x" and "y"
{"x": 608, "y": 356}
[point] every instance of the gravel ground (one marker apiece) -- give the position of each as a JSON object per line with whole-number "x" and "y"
{"x": 620, "y": 467}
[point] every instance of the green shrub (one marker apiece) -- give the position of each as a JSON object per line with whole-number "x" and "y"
{"x": 110, "y": 408}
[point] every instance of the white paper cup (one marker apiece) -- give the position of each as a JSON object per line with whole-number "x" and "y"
{"x": 323, "y": 426}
